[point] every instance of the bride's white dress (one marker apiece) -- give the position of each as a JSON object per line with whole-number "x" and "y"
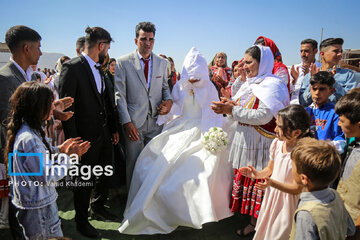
{"x": 176, "y": 182}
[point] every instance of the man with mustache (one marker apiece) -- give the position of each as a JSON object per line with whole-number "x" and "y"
{"x": 345, "y": 80}
{"x": 94, "y": 120}
{"x": 308, "y": 51}
{"x": 142, "y": 93}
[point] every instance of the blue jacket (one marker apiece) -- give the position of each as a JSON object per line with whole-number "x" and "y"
{"x": 29, "y": 191}
{"x": 326, "y": 121}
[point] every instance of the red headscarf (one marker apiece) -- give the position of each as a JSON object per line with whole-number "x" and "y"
{"x": 277, "y": 57}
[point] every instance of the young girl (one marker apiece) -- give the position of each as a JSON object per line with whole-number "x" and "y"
{"x": 281, "y": 198}
{"x": 35, "y": 195}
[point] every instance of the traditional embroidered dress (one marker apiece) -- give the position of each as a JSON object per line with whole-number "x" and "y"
{"x": 224, "y": 73}
{"x": 259, "y": 100}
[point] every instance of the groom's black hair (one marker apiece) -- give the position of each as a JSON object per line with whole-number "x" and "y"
{"x": 96, "y": 34}
{"x": 146, "y": 27}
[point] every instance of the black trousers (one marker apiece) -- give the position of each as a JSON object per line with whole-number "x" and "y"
{"x": 15, "y": 228}
{"x": 99, "y": 154}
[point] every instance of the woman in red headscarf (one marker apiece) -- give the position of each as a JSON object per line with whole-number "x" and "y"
{"x": 279, "y": 69}
{"x": 220, "y": 73}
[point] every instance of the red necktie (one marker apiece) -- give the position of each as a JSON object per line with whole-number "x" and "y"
{"x": 146, "y": 68}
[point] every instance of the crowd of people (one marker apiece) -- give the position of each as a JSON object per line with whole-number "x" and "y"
{"x": 291, "y": 160}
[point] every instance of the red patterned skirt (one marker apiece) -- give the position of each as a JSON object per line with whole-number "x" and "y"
{"x": 246, "y": 198}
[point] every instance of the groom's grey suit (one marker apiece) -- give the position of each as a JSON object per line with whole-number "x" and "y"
{"x": 137, "y": 103}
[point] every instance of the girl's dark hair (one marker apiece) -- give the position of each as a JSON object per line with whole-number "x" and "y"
{"x": 30, "y": 103}
{"x": 295, "y": 117}
{"x": 254, "y": 52}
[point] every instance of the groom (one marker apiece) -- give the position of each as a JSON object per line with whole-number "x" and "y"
{"x": 142, "y": 93}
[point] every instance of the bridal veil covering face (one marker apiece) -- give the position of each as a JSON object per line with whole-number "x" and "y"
{"x": 176, "y": 181}
{"x": 204, "y": 91}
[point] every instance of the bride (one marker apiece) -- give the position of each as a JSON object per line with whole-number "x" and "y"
{"x": 176, "y": 182}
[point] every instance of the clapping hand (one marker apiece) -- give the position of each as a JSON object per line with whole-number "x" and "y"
{"x": 225, "y": 92}
{"x": 305, "y": 68}
{"x": 218, "y": 79}
{"x": 333, "y": 71}
{"x": 60, "y": 106}
{"x": 74, "y": 146}
{"x": 265, "y": 184}
{"x": 314, "y": 69}
{"x": 63, "y": 103}
{"x": 242, "y": 73}
{"x": 62, "y": 116}
{"x": 249, "y": 172}
{"x": 294, "y": 74}
{"x": 224, "y": 106}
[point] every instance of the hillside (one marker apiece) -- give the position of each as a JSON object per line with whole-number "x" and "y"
{"x": 47, "y": 60}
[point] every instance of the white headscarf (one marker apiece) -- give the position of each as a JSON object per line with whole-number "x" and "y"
{"x": 195, "y": 67}
{"x": 268, "y": 88}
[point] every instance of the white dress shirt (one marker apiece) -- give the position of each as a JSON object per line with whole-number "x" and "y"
{"x": 143, "y": 66}
{"x": 295, "y": 89}
{"x": 27, "y": 74}
{"x": 94, "y": 70}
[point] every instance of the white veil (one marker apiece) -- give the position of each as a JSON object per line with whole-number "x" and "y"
{"x": 195, "y": 67}
{"x": 268, "y": 88}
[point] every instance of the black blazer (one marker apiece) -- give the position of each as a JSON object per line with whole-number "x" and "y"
{"x": 92, "y": 111}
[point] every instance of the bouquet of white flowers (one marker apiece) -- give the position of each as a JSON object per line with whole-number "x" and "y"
{"x": 215, "y": 140}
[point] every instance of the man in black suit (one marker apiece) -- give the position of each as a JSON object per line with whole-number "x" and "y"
{"x": 94, "y": 120}
{"x": 24, "y": 45}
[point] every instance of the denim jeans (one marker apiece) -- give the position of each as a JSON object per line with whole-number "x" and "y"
{"x": 40, "y": 224}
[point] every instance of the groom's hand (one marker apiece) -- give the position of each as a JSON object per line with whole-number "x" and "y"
{"x": 131, "y": 131}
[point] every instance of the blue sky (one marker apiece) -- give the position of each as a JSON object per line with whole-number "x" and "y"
{"x": 229, "y": 26}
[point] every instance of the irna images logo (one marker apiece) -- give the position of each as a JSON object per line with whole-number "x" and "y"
{"x": 57, "y": 164}
{"x": 19, "y": 155}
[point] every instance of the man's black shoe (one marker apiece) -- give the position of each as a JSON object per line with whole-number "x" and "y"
{"x": 87, "y": 230}
{"x": 101, "y": 214}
